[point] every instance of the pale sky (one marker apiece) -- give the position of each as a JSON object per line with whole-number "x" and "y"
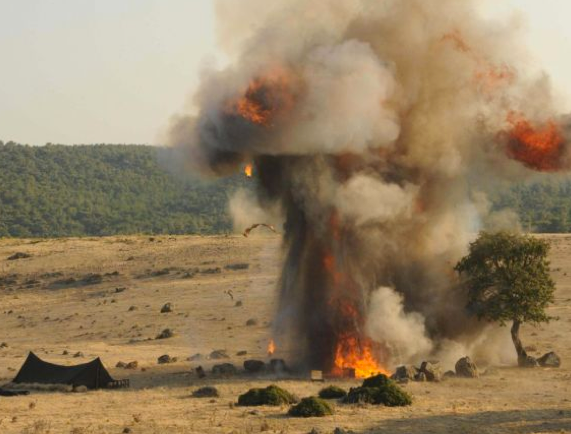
{"x": 115, "y": 71}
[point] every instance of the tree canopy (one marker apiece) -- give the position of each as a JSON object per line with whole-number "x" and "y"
{"x": 56, "y": 191}
{"x": 94, "y": 190}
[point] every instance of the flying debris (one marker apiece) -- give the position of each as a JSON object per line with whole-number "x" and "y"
{"x": 247, "y": 231}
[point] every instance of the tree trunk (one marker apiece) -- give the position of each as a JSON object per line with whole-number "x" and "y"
{"x": 521, "y": 353}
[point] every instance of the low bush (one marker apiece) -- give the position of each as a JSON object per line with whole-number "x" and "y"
{"x": 271, "y": 395}
{"x": 311, "y": 407}
{"x": 332, "y": 392}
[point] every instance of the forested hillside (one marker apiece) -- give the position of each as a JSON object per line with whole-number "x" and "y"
{"x": 56, "y": 191}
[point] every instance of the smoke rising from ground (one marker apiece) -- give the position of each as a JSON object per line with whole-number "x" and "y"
{"x": 378, "y": 127}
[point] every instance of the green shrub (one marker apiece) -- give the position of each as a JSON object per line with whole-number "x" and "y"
{"x": 332, "y": 392}
{"x": 379, "y": 390}
{"x": 377, "y": 381}
{"x": 271, "y": 395}
{"x": 311, "y": 407}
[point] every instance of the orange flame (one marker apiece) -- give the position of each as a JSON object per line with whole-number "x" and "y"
{"x": 266, "y": 98}
{"x": 357, "y": 354}
{"x": 271, "y": 347}
{"x": 248, "y": 170}
{"x": 537, "y": 147}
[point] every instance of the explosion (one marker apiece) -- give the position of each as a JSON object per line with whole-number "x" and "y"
{"x": 248, "y": 170}
{"x": 537, "y": 147}
{"x": 374, "y": 136}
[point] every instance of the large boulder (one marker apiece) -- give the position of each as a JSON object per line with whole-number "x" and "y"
{"x": 550, "y": 360}
{"x": 278, "y": 366}
{"x": 254, "y": 366}
{"x": 405, "y": 373}
{"x": 225, "y": 369}
{"x": 431, "y": 370}
{"x": 466, "y": 368}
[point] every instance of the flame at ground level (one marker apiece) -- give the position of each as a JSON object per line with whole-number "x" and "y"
{"x": 356, "y": 354}
{"x": 248, "y": 170}
{"x": 271, "y": 348}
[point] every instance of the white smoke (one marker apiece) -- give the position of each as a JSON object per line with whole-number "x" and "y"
{"x": 403, "y": 333}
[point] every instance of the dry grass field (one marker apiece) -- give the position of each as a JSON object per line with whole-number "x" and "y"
{"x": 48, "y": 305}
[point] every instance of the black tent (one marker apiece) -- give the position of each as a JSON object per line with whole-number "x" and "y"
{"x": 92, "y": 375}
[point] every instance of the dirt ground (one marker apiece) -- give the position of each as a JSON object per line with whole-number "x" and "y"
{"x": 50, "y": 305}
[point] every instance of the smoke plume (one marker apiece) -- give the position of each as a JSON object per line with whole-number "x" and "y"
{"x": 377, "y": 127}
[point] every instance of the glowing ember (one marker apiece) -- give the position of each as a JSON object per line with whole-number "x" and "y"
{"x": 271, "y": 348}
{"x": 266, "y": 98}
{"x": 357, "y": 354}
{"x": 537, "y": 147}
{"x": 248, "y": 170}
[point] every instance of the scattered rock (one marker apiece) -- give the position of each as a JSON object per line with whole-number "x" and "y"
{"x": 254, "y": 366}
{"x": 226, "y": 369}
{"x": 165, "y": 334}
{"x": 132, "y": 365}
{"x": 218, "y": 354}
{"x": 271, "y": 395}
{"x": 78, "y": 354}
{"x": 332, "y": 392}
{"x": 241, "y": 353}
{"x": 238, "y": 304}
{"x": 311, "y": 407}
{"x": 167, "y": 307}
{"x": 132, "y": 308}
{"x": 549, "y": 360}
{"x": 195, "y": 357}
{"x": 3, "y": 345}
{"x": 165, "y": 358}
{"x": 119, "y": 290}
{"x": 252, "y": 322}
{"x": 342, "y": 431}
{"x": 431, "y": 370}
{"x": 236, "y": 267}
{"x": 65, "y": 352}
{"x": 121, "y": 365}
{"x": 19, "y": 255}
{"x": 466, "y": 368}
{"x": 449, "y": 374}
{"x": 206, "y": 392}
{"x": 405, "y": 372}
{"x": 127, "y": 430}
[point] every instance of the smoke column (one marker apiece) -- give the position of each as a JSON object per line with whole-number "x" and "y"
{"x": 377, "y": 127}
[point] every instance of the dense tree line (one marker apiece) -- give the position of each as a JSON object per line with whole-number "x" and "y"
{"x": 543, "y": 206}
{"x": 55, "y": 190}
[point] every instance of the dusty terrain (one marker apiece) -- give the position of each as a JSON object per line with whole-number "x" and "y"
{"x": 44, "y": 310}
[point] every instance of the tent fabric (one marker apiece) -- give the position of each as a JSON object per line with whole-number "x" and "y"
{"x": 92, "y": 375}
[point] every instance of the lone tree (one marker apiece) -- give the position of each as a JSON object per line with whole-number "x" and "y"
{"x": 507, "y": 277}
